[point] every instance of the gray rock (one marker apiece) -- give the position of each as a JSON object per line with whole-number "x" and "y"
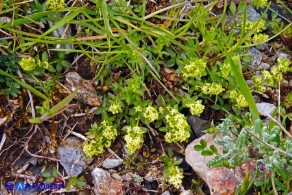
{"x": 186, "y": 192}
{"x": 5, "y": 19}
{"x": 117, "y": 177}
{"x": 282, "y": 55}
{"x": 253, "y": 15}
{"x": 61, "y": 32}
{"x": 86, "y": 92}
{"x": 265, "y": 108}
{"x": 104, "y": 184}
{"x": 262, "y": 47}
{"x": 166, "y": 193}
{"x": 257, "y": 59}
{"x": 111, "y": 163}
{"x": 72, "y": 156}
{"x": 198, "y": 125}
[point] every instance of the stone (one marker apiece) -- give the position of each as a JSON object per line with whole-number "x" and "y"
{"x": 257, "y": 60}
{"x": 111, "y": 163}
{"x": 117, "y": 177}
{"x": 63, "y": 32}
{"x": 166, "y": 193}
{"x": 198, "y": 125}
{"x": 252, "y": 14}
{"x": 186, "y": 192}
{"x": 72, "y": 157}
{"x": 86, "y": 92}
{"x": 104, "y": 184}
{"x": 221, "y": 181}
{"x": 265, "y": 108}
{"x": 5, "y": 20}
{"x": 282, "y": 55}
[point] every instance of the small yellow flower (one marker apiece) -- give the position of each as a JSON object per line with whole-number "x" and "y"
{"x": 115, "y": 108}
{"x": 259, "y": 3}
{"x": 241, "y": 101}
{"x": 134, "y": 138}
{"x": 196, "y": 107}
{"x": 55, "y": 5}
{"x": 258, "y": 38}
{"x": 195, "y": 69}
{"x": 28, "y": 64}
{"x": 268, "y": 78}
{"x": 151, "y": 113}
{"x": 233, "y": 95}
{"x": 176, "y": 177}
{"x": 212, "y": 89}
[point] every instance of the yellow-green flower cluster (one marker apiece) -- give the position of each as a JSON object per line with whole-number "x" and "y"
{"x": 28, "y": 64}
{"x": 134, "y": 138}
{"x": 196, "y": 107}
{"x": 258, "y": 38}
{"x": 238, "y": 98}
{"x": 104, "y": 134}
{"x": 195, "y": 69}
{"x": 283, "y": 65}
{"x": 268, "y": 78}
{"x": 258, "y": 25}
{"x": 225, "y": 69}
{"x": 115, "y": 107}
{"x": 55, "y": 5}
{"x": 241, "y": 101}
{"x": 212, "y": 88}
{"x": 258, "y": 84}
{"x": 178, "y": 129}
{"x": 259, "y": 3}
{"x": 151, "y": 114}
{"x": 277, "y": 74}
{"x": 175, "y": 177}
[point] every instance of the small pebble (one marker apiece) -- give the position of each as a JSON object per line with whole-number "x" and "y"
{"x": 110, "y": 163}
{"x": 265, "y": 108}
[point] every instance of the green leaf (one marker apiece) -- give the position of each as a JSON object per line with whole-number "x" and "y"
{"x": 232, "y": 7}
{"x": 65, "y": 63}
{"x": 207, "y": 153}
{"x": 24, "y": 85}
{"x": 203, "y": 143}
{"x": 280, "y": 185}
{"x": 170, "y": 63}
{"x": 80, "y": 183}
{"x": 54, "y": 172}
{"x": 49, "y": 180}
{"x": 45, "y": 56}
{"x": 245, "y": 184}
{"x": 214, "y": 149}
{"x": 46, "y": 174}
{"x": 245, "y": 90}
{"x": 198, "y": 147}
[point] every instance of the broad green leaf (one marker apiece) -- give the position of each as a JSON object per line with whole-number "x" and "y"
{"x": 198, "y": 147}
{"x": 54, "y": 172}
{"x": 49, "y": 180}
{"x": 203, "y": 143}
{"x": 232, "y": 7}
{"x": 214, "y": 149}
{"x": 80, "y": 183}
{"x": 46, "y": 174}
{"x": 207, "y": 153}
